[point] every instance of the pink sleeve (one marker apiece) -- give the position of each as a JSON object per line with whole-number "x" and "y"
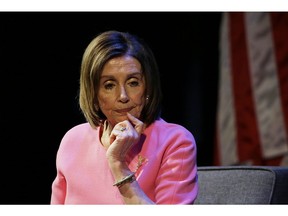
{"x": 176, "y": 182}
{"x": 58, "y": 190}
{"x": 59, "y": 184}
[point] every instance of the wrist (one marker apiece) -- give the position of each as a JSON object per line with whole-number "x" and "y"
{"x": 128, "y": 179}
{"x": 119, "y": 169}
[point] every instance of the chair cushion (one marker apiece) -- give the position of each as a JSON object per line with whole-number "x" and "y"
{"x": 242, "y": 185}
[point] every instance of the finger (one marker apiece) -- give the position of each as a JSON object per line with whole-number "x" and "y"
{"x": 117, "y": 131}
{"x": 139, "y": 126}
{"x": 123, "y": 129}
{"x": 112, "y": 138}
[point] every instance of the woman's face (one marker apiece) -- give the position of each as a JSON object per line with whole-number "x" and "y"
{"x": 122, "y": 88}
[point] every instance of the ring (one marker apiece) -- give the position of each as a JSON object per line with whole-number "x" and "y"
{"x": 122, "y": 129}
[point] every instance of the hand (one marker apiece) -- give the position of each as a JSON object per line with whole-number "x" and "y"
{"x": 123, "y": 136}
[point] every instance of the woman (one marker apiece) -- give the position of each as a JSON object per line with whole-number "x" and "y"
{"x": 125, "y": 153}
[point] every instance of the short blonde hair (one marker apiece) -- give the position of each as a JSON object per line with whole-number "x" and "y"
{"x": 108, "y": 45}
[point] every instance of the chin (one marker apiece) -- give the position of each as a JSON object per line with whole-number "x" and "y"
{"x": 117, "y": 120}
{"x": 122, "y": 119}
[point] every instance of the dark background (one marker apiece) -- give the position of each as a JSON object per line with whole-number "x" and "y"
{"x": 40, "y": 56}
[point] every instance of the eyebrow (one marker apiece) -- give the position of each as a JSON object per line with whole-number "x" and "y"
{"x": 130, "y": 75}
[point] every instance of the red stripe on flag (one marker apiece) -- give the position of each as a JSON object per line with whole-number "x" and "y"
{"x": 248, "y": 142}
{"x": 280, "y": 33}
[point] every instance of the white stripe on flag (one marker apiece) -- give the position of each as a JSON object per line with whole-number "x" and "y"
{"x": 226, "y": 113}
{"x": 265, "y": 85}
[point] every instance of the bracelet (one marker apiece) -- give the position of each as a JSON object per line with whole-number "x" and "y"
{"x": 130, "y": 178}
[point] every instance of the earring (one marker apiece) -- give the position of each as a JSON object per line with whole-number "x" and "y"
{"x": 147, "y": 97}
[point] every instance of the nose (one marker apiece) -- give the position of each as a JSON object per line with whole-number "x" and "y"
{"x": 123, "y": 95}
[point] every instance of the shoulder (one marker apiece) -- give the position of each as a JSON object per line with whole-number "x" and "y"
{"x": 78, "y": 130}
{"x": 167, "y": 127}
{"x": 166, "y": 130}
{"x": 78, "y": 134}
{"x": 170, "y": 138}
{"x": 75, "y": 142}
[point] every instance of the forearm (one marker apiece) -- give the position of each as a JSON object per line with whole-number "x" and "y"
{"x": 133, "y": 194}
{"x": 131, "y": 191}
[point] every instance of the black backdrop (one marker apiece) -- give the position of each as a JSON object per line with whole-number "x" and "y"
{"x": 40, "y": 55}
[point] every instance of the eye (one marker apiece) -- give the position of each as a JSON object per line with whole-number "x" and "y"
{"x": 134, "y": 83}
{"x": 109, "y": 86}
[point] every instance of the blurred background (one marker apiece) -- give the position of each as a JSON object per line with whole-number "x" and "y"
{"x": 40, "y": 57}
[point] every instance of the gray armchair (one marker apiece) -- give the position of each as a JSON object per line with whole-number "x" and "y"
{"x": 242, "y": 185}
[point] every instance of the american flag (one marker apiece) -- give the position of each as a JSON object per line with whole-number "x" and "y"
{"x": 252, "y": 112}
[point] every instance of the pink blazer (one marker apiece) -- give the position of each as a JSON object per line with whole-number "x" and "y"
{"x": 165, "y": 160}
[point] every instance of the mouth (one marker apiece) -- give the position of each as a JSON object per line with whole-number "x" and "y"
{"x": 123, "y": 111}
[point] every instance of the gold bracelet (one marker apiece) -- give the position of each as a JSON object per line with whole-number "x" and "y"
{"x": 130, "y": 178}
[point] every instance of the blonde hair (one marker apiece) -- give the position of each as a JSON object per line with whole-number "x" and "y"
{"x": 108, "y": 45}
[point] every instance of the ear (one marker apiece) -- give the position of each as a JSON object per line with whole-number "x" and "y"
{"x": 96, "y": 106}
